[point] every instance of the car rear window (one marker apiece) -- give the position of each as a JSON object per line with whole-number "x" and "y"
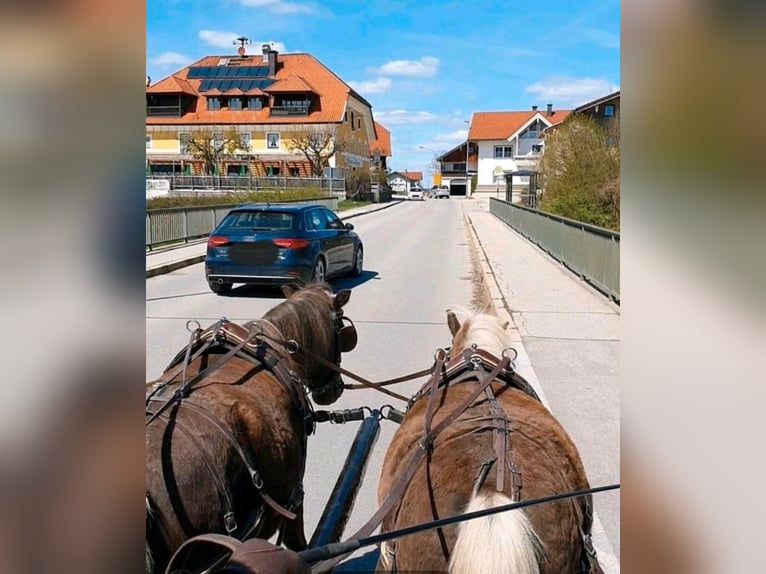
{"x": 259, "y": 220}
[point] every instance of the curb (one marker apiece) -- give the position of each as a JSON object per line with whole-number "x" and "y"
{"x": 168, "y": 267}
{"x": 173, "y": 266}
{"x": 386, "y": 206}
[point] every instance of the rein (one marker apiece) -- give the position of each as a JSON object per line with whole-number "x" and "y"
{"x": 340, "y": 549}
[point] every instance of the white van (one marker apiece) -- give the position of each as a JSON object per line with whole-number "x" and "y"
{"x": 415, "y": 191}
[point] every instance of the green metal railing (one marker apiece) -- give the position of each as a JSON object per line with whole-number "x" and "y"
{"x": 176, "y": 224}
{"x": 591, "y": 252}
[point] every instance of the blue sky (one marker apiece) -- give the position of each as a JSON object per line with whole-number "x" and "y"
{"x": 424, "y": 66}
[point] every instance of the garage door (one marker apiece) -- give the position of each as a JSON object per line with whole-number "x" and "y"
{"x": 457, "y": 188}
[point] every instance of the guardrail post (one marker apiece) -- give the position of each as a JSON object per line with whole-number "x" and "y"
{"x": 186, "y": 226}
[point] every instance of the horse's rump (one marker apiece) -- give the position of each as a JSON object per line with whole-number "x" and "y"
{"x": 443, "y": 485}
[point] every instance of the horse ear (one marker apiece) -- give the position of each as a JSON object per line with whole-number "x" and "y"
{"x": 505, "y": 325}
{"x": 288, "y": 291}
{"x": 453, "y": 323}
{"x": 341, "y": 298}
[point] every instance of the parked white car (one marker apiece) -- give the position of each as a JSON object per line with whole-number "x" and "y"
{"x": 441, "y": 191}
{"x": 415, "y": 192}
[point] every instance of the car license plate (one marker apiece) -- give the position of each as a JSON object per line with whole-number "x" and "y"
{"x": 250, "y": 239}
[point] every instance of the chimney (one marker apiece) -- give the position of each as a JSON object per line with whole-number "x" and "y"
{"x": 550, "y": 110}
{"x": 272, "y": 62}
{"x": 265, "y": 48}
{"x": 534, "y": 108}
{"x": 148, "y": 81}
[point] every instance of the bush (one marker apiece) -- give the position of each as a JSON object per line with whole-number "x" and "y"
{"x": 222, "y": 198}
{"x": 581, "y": 173}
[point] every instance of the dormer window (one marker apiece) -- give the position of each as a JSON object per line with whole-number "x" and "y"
{"x": 235, "y": 103}
{"x": 254, "y": 103}
{"x": 213, "y": 103}
{"x": 608, "y": 110}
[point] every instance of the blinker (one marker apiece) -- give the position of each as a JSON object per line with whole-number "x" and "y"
{"x": 347, "y": 337}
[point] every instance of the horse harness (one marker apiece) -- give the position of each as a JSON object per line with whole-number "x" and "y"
{"x": 256, "y": 346}
{"x": 471, "y": 365}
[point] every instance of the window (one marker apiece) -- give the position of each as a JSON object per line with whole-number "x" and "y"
{"x": 261, "y": 220}
{"x": 332, "y": 220}
{"x": 294, "y": 171}
{"x": 245, "y": 141}
{"x": 533, "y": 131}
{"x": 359, "y": 123}
{"x": 537, "y": 148}
{"x": 352, "y": 120}
{"x": 458, "y": 167}
{"x": 502, "y": 151}
{"x": 235, "y": 103}
{"x": 213, "y": 103}
{"x": 254, "y": 103}
{"x": 315, "y": 220}
{"x": 608, "y": 110}
{"x": 183, "y": 142}
{"x": 218, "y": 141}
{"x": 148, "y": 142}
{"x": 272, "y": 140}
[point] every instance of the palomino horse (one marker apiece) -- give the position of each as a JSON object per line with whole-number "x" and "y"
{"x": 226, "y": 449}
{"x": 492, "y": 446}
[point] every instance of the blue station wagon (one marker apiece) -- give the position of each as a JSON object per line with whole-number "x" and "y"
{"x": 277, "y": 244}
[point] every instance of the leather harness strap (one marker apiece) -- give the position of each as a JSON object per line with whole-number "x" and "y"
{"x": 225, "y": 333}
{"x": 397, "y": 491}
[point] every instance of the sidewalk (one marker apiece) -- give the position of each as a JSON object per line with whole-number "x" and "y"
{"x": 161, "y": 261}
{"x": 568, "y": 343}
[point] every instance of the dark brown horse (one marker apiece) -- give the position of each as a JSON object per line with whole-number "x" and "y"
{"x": 505, "y": 446}
{"x": 226, "y": 450}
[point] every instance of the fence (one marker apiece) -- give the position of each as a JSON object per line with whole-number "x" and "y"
{"x": 184, "y": 223}
{"x": 179, "y": 183}
{"x": 591, "y": 252}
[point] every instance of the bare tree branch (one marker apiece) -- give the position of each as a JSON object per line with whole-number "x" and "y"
{"x": 213, "y": 146}
{"x": 317, "y": 145}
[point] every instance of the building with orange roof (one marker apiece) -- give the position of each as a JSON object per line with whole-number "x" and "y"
{"x": 497, "y": 142}
{"x": 400, "y": 181}
{"x": 266, "y": 99}
{"x": 380, "y": 148}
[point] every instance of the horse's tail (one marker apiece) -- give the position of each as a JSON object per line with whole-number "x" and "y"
{"x": 150, "y": 528}
{"x": 503, "y": 543}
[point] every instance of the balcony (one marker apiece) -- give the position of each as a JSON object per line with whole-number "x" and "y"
{"x": 164, "y": 111}
{"x": 291, "y": 109}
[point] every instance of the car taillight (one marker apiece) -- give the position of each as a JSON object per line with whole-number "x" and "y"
{"x": 217, "y": 241}
{"x": 291, "y": 243}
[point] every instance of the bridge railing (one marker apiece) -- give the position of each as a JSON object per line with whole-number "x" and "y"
{"x": 175, "y": 224}
{"x": 591, "y": 252}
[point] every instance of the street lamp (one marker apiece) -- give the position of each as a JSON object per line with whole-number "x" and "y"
{"x": 467, "y": 184}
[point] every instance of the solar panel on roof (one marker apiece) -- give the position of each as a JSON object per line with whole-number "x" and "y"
{"x": 205, "y": 85}
{"x": 226, "y": 85}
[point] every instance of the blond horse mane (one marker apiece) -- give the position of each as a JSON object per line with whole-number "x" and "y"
{"x": 482, "y": 329}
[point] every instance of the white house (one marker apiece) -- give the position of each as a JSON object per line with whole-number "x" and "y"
{"x": 400, "y": 181}
{"x": 508, "y": 141}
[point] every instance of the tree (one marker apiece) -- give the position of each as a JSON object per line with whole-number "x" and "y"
{"x": 213, "y": 146}
{"x": 580, "y": 170}
{"x": 318, "y": 145}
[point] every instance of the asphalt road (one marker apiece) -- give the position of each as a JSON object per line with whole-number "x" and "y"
{"x": 417, "y": 263}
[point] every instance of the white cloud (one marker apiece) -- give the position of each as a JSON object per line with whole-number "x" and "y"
{"x": 278, "y": 6}
{"x": 227, "y": 40}
{"x": 167, "y": 59}
{"x": 372, "y": 87}
{"x": 403, "y": 117}
{"x": 217, "y": 38}
{"x": 426, "y": 67}
{"x": 452, "y": 137}
{"x": 566, "y": 91}
{"x": 606, "y": 39}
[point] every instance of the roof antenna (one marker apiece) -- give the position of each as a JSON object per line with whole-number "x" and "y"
{"x": 243, "y": 41}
